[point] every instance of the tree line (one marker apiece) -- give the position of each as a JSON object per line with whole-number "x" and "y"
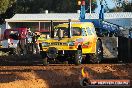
{"x": 8, "y": 8}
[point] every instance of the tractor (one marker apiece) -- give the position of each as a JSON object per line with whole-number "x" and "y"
{"x": 73, "y": 39}
{"x": 98, "y": 39}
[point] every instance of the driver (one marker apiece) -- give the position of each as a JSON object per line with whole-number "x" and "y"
{"x": 76, "y": 33}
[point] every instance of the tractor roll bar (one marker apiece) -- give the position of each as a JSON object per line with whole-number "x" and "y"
{"x": 52, "y": 30}
{"x": 69, "y": 28}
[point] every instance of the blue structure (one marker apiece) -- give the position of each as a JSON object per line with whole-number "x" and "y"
{"x": 83, "y": 12}
{"x": 102, "y": 27}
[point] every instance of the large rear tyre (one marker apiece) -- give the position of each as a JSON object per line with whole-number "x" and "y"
{"x": 78, "y": 57}
{"x": 96, "y": 58}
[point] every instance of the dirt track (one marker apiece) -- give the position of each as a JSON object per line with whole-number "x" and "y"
{"x": 59, "y": 76}
{"x": 14, "y": 75}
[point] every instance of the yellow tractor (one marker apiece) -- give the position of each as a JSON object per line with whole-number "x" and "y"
{"x": 72, "y": 40}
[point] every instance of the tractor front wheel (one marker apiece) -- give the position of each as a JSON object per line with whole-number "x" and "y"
{"x": 78, "y": 57}
{"x": 45, "y": 58}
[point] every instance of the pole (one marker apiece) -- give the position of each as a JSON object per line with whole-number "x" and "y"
{"x": 90, "y": 6}
{"x": 52, "y": 30}
{"x": 39, "y": 26}
{"x": 7, "y": 25}
{"x": 0, "y": 34}
{"x": 82, "y": 13}
{"x": 101, "y": 14}
{"x": 69, "y": 28}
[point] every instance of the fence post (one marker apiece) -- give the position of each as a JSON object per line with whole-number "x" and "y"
{"x": 0, "y": 34}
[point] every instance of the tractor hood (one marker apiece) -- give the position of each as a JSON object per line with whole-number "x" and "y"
{"x": 63, "y": 41}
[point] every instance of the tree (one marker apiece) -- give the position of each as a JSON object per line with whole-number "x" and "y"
{"x": 5, "y": 4}
{"x": 93, "y": 5}
{"x": 128, "y": 7}
{"x": 122, "y": 7}
{"x": 57, "y": 6}
{"x": 6, "y": 9}
{"x": 10, "y": 7}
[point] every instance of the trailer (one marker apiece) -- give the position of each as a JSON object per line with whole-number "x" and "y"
{"x": 17, "y": 42}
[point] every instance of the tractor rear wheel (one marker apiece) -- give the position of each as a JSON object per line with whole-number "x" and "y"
{"x": 98, "y": 56}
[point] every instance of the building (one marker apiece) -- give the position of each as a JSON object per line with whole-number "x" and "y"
{"x": 42, "y": 21}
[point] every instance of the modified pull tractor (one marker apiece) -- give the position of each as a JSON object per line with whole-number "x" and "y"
{"x": 71, "y": 41}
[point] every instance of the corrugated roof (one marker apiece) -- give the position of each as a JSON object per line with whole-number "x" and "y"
{"x": 49, "y": 16}
{"x": 66, "y": 16}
